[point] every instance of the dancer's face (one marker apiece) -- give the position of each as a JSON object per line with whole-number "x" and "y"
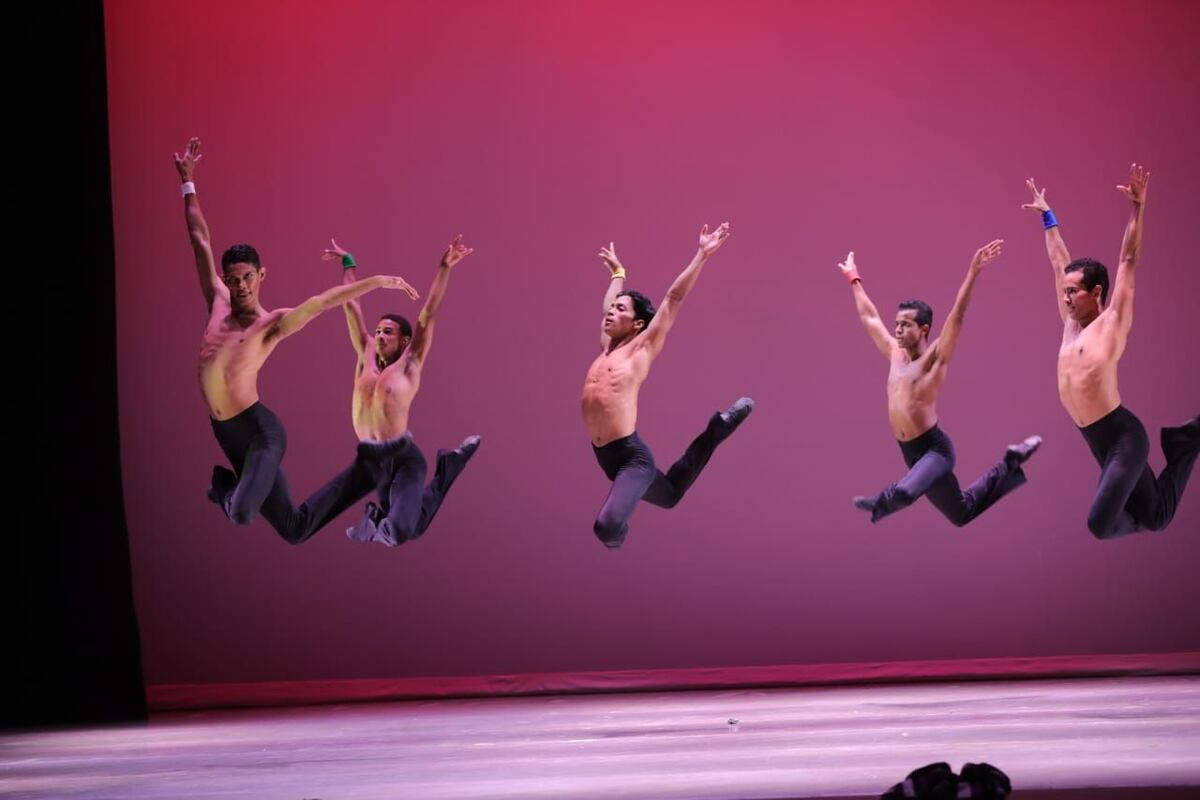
{"x": 907, "y": 332}
{"x": 243, "y": 281}
{"x": 1081, "y": 304}
{"x": 619, "y": 321}
{"x": 389, "y": 343}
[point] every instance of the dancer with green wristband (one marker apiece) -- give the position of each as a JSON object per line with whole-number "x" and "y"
{"x": 386, "y": 381}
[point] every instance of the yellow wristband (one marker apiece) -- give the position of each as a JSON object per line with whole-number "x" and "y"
{"x": 619, "y": 272}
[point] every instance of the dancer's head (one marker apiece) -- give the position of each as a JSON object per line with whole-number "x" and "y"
{"x": 913, "y": 320}
{"x": 628, "y": 315}
{"x": 392, "y": 334}
{"x": 242, "y": 272}
{"x": 1085, "y": 288}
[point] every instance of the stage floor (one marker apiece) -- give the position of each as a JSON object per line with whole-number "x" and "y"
{"x": 789, "y": 743}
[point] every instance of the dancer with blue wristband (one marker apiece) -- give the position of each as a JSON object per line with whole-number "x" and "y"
{"x": 1095, "y": 326}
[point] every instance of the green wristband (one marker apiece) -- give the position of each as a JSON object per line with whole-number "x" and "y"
{"x": 348, "y": 261}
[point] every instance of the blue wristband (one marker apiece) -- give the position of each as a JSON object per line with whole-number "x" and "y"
{"x": 1048, "y": 219}
{"x": 348, "y": 261}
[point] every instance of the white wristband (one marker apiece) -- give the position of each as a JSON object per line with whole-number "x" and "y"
{"x": 188, "y": 188}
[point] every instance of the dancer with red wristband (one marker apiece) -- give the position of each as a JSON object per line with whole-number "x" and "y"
{"x": 918, "y": 370}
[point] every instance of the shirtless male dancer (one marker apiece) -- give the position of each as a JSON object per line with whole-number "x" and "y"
{"x": 1129, "y": 498}
{"x": 918, "y": 370}
{"x": 386, "y": 379}
{"x": 239, "y": 337}
{"x": 632, "y": 335}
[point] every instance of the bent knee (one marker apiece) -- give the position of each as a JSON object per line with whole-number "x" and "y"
{"x": 242, "y": 516}
{"x": 611, "y": 534}
{"x": 1102, "y": 528}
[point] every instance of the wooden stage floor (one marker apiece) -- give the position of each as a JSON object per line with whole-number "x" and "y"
{"x": 1108, "y": 738}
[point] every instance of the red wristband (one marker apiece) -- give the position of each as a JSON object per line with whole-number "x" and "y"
{"x": 852, "y": 276}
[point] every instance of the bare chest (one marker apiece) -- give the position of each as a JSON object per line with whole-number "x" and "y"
{"x": 224, "y": 345}
{"x": 914, "y": 379}
{"x": 381, "y": 389}
{"x": 612, "y": 371}
{"x": 1085, "y": 352}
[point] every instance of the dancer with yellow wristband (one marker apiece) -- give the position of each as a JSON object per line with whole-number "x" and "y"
{"x": 631, "y": 337}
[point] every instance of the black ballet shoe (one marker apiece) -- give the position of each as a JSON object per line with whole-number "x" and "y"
{"x": 468, "y": 447}
{"x": 453, "y": 461}
{"x": 1181, "y": 441}
{"x": 223, "y": 482}
{"x": 985, "y": 781}
{"x": 1018, "y": 454}
{"x": 726, "y": 422}
{"x": 864, "y": 503}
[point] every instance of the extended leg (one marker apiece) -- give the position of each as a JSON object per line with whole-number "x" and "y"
{"x": 928, "y": 470}
{"x": 962, "y": 506}
{"x": 667, "y": 490}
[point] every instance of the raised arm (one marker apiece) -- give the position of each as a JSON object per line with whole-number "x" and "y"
{"x": 656, "y": 333}
{"x": 1131, "y": 245}
{"x": 1056, "y": 248}
{"x": 360, "y": 337}
{"x": 947, "y": 341}
{"x": 867, "y": 313}
{"x": 616, "y": 283}
{"x": 293, "y": 319}
{"x": 211, "y": 284}
{"x": 423, "y": 333}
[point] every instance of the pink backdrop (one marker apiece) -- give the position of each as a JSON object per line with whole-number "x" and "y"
{"x": 543, "y": 130}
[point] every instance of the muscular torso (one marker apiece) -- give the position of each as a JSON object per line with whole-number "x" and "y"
{"x": 382, "y": 398}
{"x": 231, "y": 354}
{"x": 912, "y": 389}
{"x": 1087, "y": 368}
{"x": 610, "y": 393}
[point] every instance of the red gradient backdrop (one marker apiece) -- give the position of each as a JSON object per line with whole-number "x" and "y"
{"x": 541, "y": 130}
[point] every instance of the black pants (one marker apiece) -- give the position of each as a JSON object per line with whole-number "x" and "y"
{"x": 629, "y": 464}
{"x": 930, "y": 458}
{"x": 1129, "y": 498}
{"x": 406, "y": 505}
{"x": 255, "y": 441}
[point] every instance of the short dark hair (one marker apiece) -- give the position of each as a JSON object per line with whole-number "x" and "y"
{"x": 405, "y": 325}
{"x": 240, "y": 254}
{"x": 924, "y": 315}
{"x": 643, "y": 309}
{"x": 1094, "y": 274}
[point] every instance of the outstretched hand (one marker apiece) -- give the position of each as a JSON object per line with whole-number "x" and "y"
{"x": 1139, "y": 178}
{"x": 334, "y": 253}
{"x": 848, "y": 267}
{"x": 986, "y": 254}
{"x": 608, "y": 255}
{"x": 1039, "y": 203}
{"x": 456, "y": 251}
{"x": 187, "y": 164}
{"x": 394, "y": 282}
{"x": 711, "y": 242}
